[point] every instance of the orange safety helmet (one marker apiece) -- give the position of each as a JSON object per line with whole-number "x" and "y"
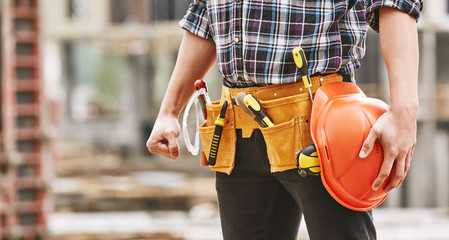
{"x": 342, "y": 116}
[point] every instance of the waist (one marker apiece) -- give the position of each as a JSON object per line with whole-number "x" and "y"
{"x": 247, "y": 84}
{"x": 294, "y": 98}
{"x": 272, "y": 91}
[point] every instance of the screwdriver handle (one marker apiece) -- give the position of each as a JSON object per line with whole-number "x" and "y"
{"x": 219, "y": 124}
{"x": 301, "y": 62}
{"x": 261, "y": 116}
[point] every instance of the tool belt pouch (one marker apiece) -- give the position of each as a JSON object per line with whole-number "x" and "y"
{"x": 226, "y": 148}
{"x": 290, "y": 114}
{"x": 290, "y": 133}
{"x": 289, "y": 108}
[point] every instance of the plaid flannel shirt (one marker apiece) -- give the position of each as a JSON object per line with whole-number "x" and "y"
{"x": 254, "y": 38}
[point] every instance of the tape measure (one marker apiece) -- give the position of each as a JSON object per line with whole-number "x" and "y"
{"x": 308, "y": 162}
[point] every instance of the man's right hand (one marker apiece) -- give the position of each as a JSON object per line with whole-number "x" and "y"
{"x": 195, "y": 57}
{"x": 163, "y": 138}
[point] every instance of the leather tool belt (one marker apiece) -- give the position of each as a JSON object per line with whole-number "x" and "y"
{"x": 287, "y": 105}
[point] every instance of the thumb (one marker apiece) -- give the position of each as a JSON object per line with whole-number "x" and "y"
{"x": 368, "y": 145}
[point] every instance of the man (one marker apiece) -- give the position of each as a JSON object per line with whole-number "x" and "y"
{"x": 252, "y": 42}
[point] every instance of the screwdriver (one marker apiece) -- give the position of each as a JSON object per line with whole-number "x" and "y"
{"x": 240, "y": 102}
{"x": 301, "y": 62}
{"x": 219, "y": 124}
{"x": 259, "y": 114}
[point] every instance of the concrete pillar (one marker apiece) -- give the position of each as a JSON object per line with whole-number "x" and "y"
{"x": 441, "y": 169}
{"x": 384, "y": 87}
{"x": 129, "y": 131}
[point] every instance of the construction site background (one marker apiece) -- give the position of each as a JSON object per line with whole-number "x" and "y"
{"x": 104, "y": 66}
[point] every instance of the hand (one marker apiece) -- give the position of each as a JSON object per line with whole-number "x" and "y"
{"x": 163, "y": 138}
{"x": 397, "y": 134}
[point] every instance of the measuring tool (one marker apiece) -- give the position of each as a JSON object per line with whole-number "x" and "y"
{"x": 301, "y": 62}
{"x": 308, "y": 162}
{"x": 219, "y": 124}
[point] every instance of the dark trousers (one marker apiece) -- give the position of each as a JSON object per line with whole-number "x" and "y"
{"x": 256, "y": 204}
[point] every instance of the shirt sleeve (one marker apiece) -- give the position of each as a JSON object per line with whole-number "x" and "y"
{"x": 412, "y": 7}
{"x": 196, "y": 19}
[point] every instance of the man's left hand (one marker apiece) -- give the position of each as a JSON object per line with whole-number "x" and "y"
{"x": 397, "y": 135}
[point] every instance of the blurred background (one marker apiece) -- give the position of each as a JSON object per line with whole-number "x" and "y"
{"x": 81, "y": 85}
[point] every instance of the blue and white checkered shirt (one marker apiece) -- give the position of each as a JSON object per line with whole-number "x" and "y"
{"x": 254, "y": 38}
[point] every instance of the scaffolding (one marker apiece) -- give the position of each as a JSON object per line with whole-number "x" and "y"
{"x": 23, "y": 142}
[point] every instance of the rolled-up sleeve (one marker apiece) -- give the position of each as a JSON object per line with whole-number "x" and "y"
{"x": 196, "y": 19}
{"x": 412, "y": 7}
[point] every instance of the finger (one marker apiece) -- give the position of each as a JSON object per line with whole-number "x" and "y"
{"x": 163, "y": 150}
{"x": 385, "y": 170}
{"x": 407, "y": 165}
{"x": 157, "y": 143}
{"x": 409, "y": 159}
{"x": 173, "y": 148}
{"x": 158, "y": 147}
{"x": 172, "y": 144}
{"x": 399, "y": 173}
{"x": 368, "y": 145}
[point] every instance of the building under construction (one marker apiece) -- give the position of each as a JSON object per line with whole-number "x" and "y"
{"x": 28, "y": 124}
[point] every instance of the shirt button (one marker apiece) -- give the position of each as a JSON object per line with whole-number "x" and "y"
{"x": 237, "y": 39}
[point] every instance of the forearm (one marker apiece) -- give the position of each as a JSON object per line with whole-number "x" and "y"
{"x": 399, "y": 44}
{"x": 195, "y": 57}
{"x": 396, "y": 129}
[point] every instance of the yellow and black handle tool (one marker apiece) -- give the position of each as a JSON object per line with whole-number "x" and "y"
{"x": 240, "y": 102}
{"x": 219, "y": 124}
{"x": 308, "y": 162}
{"x": 260, "y": 116}
{"x": 301, "y": 62}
